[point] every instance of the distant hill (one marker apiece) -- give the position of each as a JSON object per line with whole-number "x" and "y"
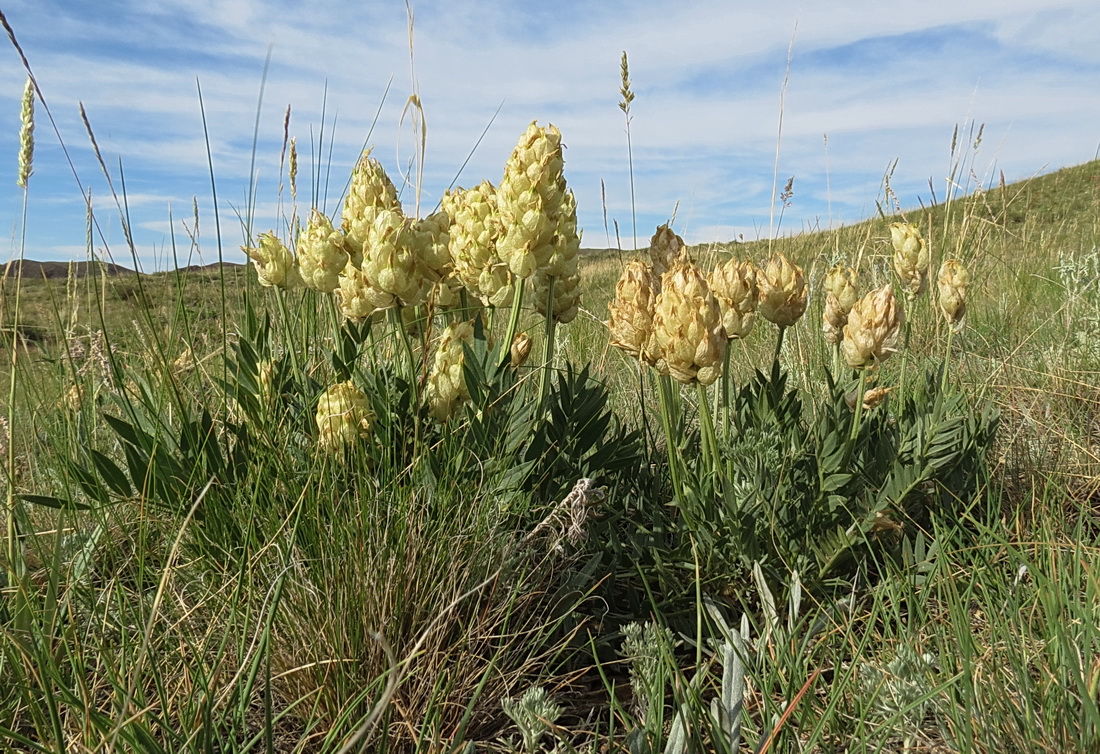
{"x": 33, "y": 270}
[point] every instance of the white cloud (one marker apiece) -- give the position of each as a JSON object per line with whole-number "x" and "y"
{"x": 884, "y": 85}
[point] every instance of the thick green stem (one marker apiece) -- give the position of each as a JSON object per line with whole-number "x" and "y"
{"x": 725, "y": 390}
{"x": 513, "y": 319}
{"x": 947, "y": 358}
{"x": 911, "y": 300}
{"x": 779, "y": 343}
{"x": 706, "y": 429}
{"x": 548, "y": 350}
{"x": 857, "y": 419}
{"x": 672, "y": 444}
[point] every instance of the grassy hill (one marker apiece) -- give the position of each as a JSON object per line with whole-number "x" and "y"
{"x": 234, "y": 523}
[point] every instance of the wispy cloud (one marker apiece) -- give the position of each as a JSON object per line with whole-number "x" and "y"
{"x": 869, "y": 85}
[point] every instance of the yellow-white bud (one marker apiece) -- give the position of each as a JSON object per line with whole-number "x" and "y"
{"x": 688, "y": 338}
{"x": 783, "y": 292}
{"x": 321, "y": 254}
{"x": 871, "y": 334}
{"x": 344, "y": 416}
{"x": 911, "y": 258}
{"x": 275, "y": 265}
{"x": 953, "y": 281}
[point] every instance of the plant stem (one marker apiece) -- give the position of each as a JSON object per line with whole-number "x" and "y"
{"x": 706, "y": 429}
{"x": 513, "y": 320}
{"x": 672, "y": 445}
{"x": 13, "y": 559}
{"x": 779, "y": 343}
{"x": 857, "y": 418}
{"x": 548, "y": 350}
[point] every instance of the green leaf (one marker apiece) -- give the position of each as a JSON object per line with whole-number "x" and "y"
{"x": 111, "y": 474}
{"x": 53, "y": 502}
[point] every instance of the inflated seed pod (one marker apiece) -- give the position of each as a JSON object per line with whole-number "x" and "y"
{"x": 630, "y": 312}
{"x": 687, "y": 326}
{"x": 953, "y": 281}
{"x": 473, "y": 235}
{"x": 321, "y": 253}
{"x": 664, "y": 247}
{"x": 733, "y": 284}
{"x": 911, "y": 258}
{"x": 370, "y": 192}
{"x": 390, "y": 261}
{"x": 530, "y": 201}
{"x": 783, "y": 292}
{"x": 871, "y": 334}
{"x": 446, "y": 388}
{"x": 841, "y": 295}
{"x": 356, "y": 296}
{"x": 275, "y": 265}
{"x": 344, "y": 417}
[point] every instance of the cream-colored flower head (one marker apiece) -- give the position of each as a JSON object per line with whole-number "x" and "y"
{"x": 783, "y": 292}
{"x": 953, "y": 281}
{"x": 664, "y": 248}
{"x": 530, "y": 200}
{"x": 687, "y": 326}
{"x": 871, "y": 334}
{"x": 911, "y": 258}
{"x": 275, "y": 265}
{"x": 431, "y": 239}
{"x": 390, "y": 260}
{"x": 344, "y": 417}
{"x": 630, "y": 312}
{"x": 370, "y": 192}
{"x": 321, "y": 254}
{"x": 841, "y": 295}
{"x": 562, "y": 269}
{"x": 473, "y": 235}
{"x": 446, "y": 388}
{"x": 733, "y": 284}
{"x": 357, "y": 298}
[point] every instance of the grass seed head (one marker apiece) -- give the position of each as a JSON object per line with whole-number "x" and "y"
{"x": 26, "y": 135}
{"x": 953, "y": 281}
{"x": 783, "y": 292}
{"x": 910, "y": 257}
{"x": 733, "y": 284}
{"x": 871, "y": 334}
{"x": 322, "y": 255}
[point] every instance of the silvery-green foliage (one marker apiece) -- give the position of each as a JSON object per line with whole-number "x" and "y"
{"x": 899, "y": 690}
{"x": 534, "y": 714}
{"x": 645, "y": 647}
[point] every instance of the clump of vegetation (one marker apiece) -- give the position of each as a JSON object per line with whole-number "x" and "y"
{"x": 394, "y": 487}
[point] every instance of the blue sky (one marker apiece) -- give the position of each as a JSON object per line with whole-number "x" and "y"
{"x": 870, "y": 83}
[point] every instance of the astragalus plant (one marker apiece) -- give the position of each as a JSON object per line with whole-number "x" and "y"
{"x": 825, "y": 483}
{"x": 355, "y": 527}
